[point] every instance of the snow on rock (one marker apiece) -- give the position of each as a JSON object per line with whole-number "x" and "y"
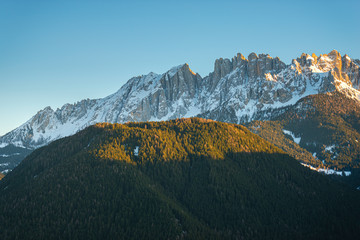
{"x": 9, "y": 155}
{"x": 136, "y": 151}
{"x": 328, "y": 171}
{"x": 2, "y": 145}
{"x": 174, "y": 70}
{"x": 330, "y": 148}
{"x": 296, "y": 139}
{"x": 5, "y": 171}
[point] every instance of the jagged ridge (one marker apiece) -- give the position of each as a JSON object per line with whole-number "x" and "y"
{"x": 239, "y": 90}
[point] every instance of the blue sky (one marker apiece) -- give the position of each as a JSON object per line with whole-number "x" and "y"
{"x": 57, "y": 52}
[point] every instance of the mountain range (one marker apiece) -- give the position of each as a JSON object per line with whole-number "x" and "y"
{"x": 239, "y": 90}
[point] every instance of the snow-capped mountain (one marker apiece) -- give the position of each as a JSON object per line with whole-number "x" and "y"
{"x": 238, "y": 90}
{"x": 260, "y": 84}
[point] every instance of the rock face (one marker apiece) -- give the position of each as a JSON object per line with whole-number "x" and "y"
{"x": 238, "y": 90}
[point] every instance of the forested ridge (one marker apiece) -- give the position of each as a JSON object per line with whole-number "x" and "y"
{"x": 328, "y": 127}
{"x": 181, "y": 179}
{"x": 320, "y": 121}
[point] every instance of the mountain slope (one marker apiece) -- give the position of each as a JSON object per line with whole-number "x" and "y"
{"x": 188, "y": 178}
{"x": 327, "y": 129}
{"x": 327, "y": 125}
{"x": 11, "y": 156}
{"x": 273, "y": 131}
{"x": 239, "y": 90}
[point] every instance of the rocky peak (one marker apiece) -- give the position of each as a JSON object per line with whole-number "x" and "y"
{"x": 327, "y": 62}
{"x": 222, "y": 68}
{"x": 314, "y": 57}
{"x": 181, "y": 83}
{"x": 238, "y": 61}
{"x": 296, "y": 66}
{"x": 307, "y": 60}
{"x": 42, "y": 116}
{"x": 351, "y": 70}
{"x": 182, "y": 73}
{"x": 341, "y": 68}
{"x": 266, "y": 63}
{"x": 334, "y": 54}
{"x": 186, "y": 67}
{"x": 336, "y": 58}
{"x": 258, "y": 66}
{"x": 253, "y": 67}
{"x": 346, "y": 61}
{"x": 252, "y": 56}
{"x": 343, "y": 73}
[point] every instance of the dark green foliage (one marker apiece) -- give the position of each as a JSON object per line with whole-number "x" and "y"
{"x": 11, "y": 156}
{"x": 353, "y": 180}
{"x": 192, "y": 178}
{"x": 335, "y": 120}
{"x": 272, "y": 131}
{"x": 321, "y": 121}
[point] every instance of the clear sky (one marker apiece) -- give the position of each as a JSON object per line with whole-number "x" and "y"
{"x": 57, "y": 52}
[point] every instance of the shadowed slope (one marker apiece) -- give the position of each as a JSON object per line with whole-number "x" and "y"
{"x": 189, "y": 178}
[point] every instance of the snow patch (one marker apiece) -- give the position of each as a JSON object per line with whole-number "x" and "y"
{"x": 328, "y": 171}
{"x": 315, "y": 69}
{"x": 347, "y": 89}
{"x": 269, "y": 77}
{"x": 309, "y": 57}
{"x": 136, "y": 151}
{"x": 330, "y": 148}
{"x": 192, "y": 111}
{"x": 296, "y": 139}
{"x": 2, "y": 145}
{"x": 6, "y": 155}
{"x": 6, "y": 171}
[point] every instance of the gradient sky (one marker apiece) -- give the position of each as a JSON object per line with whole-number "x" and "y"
{"x": 57, "y": 52}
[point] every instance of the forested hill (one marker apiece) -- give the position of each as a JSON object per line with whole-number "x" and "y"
{"x": 189, "y": 178}
{"x": 326, "y": 125}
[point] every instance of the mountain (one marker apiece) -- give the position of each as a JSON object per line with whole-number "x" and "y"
{"x": 239, "y": 90}
{"x": 11, "y": 156}
{"x": 267, "y": 91}
{"x": 325, "y": 127}
{"x": 188, "y": 178}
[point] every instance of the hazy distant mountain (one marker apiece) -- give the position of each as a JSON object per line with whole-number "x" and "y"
{"x": 180, "y": 179}
{"x": 239, "y": 90}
